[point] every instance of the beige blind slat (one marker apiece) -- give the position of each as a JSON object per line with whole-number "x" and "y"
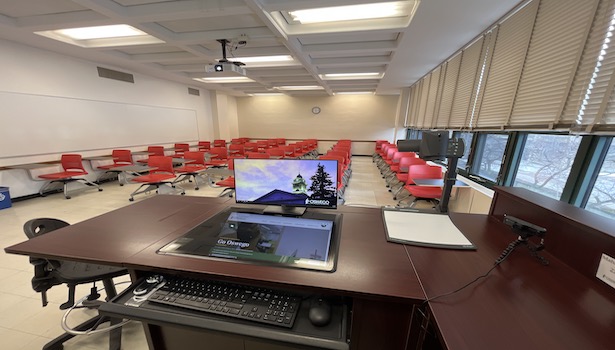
{"x": 448, "y": 90}
{"x": 411, "y": 121}
{"x": 432, "y": 97}
{"x": 424, "y": 84}
{"x": 586, "y": 69}
{"x": 556, "y": 43}
{"x": 465, "y": 84}
{"x": 481, "y": 74}
{"x": 509, "y": 53}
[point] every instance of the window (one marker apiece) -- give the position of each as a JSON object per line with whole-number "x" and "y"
{"x": 462, "y": 163}
{"x": 489, "y": 155}
{"x": 545, "y": 163}
{"x": 602, "y": 197}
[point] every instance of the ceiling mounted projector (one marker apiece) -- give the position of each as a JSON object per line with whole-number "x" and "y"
{"x": 224, "y": 67}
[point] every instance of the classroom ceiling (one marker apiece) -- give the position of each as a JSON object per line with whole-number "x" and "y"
{"x": 403, "y": 49}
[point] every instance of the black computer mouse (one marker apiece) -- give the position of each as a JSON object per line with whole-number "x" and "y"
{"x": 320, "y": 312}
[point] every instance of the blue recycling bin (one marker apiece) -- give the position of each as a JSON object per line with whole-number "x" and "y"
{"x": 5, "y": 198}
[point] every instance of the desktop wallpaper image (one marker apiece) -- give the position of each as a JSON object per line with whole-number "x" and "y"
{"x": 256, "y": 179}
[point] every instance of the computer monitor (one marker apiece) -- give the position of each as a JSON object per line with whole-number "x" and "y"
{"x": 286, "y": 186}
{"x": 434, "y": 145}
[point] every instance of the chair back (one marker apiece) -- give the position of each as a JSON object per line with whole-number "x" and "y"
{"x": 72, "y": 162}
{"x": 42, "y": 281}
{"x": 257, "y": 155}
{"x": 236, "y": 150}
{"x": 262, "y": 145}
{"x": 250, "y": 147}
{"x": 162, "y": 165}
{"x": 397, "y": 156}
{"x": 220, "y": 143}
{"x": 36, "y": 227}
{"x": 122, "y": 157}
{"x": 219, "y": 153}
{"x": 276, "y": 153}
{"x": 281, "y": 141}
{"x": 155, "y": 150}
{"x": 424, "y": 171}
{"x": 197, "y": 158}
{"x": 406, "y": 162}
{"x": 204, "y": 146}
{"x": 272, "y": 143}
{"x": 181, "y": 148}
{"x": 390, "y": 152}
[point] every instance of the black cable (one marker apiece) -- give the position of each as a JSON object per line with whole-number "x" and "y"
{"x": 505, "y": 254}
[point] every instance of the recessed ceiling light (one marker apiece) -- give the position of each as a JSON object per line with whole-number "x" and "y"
{"x": 102, "y": 36}
{"x": 278, "y": 58}
{"x": 307, "y": 87}
{"x": 343, "y": 76}
{"x": 349, "y": 13}
{"x": 224, "y": 80}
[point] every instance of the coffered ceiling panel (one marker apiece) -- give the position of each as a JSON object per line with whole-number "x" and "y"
{"x": 182, "y": 39}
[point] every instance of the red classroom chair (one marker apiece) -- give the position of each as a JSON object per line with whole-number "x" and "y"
{"x": 72, "y": 165}
{"x": 161, "y": 174}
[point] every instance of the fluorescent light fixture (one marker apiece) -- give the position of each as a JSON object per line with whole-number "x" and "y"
{"x": 259, "y": 59}
{"x": 306, "y": 87}
{"x": 102, "y": 36}
{"x": 348, "y": 76}
{"x": 225, "y": 80}
{"x": 100, "y": 32}
{"x": 354, "y": 93}
{"x": 349, "y": 13}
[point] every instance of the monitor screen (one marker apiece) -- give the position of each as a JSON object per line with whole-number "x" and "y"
{"x": 299, "y": 242}
{"x": 290, "y": 183}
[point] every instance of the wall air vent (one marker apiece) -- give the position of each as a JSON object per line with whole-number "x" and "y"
{"x": 195, "y": 92}
{"x": 116, "y": 75}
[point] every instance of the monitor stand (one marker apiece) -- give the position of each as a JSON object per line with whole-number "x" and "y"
{"x": 284, "y": 210}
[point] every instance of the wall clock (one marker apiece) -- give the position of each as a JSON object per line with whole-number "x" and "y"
{"x": 315, "y": 110}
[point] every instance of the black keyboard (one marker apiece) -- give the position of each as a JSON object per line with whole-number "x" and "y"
{"x": 248, "y": 303}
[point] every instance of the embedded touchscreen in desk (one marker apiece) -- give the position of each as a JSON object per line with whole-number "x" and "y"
{"x": 299, "y": 242}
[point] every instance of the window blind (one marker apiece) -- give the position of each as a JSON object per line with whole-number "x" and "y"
{"x": 448, "y": 90}
{"x": 555, "y": 47}
{"x": 434, "y": 85}
{"x": 500, "y": 84}
{"x": 592, "y": 77}
{"x": 424, "y": 84}
{"x": 465, "y": 84}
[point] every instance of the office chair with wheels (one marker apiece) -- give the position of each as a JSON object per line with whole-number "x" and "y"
{"x": 429, "y": 193}
{"x": 162, "y": 174}
{"x": 73, "y": 167}
{"x": 50, "y": 273}
{"x": 192, "y": 169}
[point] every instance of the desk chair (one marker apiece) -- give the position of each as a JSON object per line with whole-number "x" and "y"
{"x": 220, "y": 143}
{"x": 257, "y": 155}
{"x": 120, "y": 157}
{"x": 219, "y": 157}
{"x": 250, "y": 147}
{"x": 204, "y": 146}
{"x": 160, "y": 175}
{"x": 276, "y": 153}
{"x": 236, "y": 150}
{"x": 180, "y": 149}
{"x": 50, "y": 273}
{"x": 228, "y": 183}
{"x": 152, "y": 151}
{"x": 193, "y": 169}
{"x": 73, "y": 167}
{"x": 428, "y": 193}
{"x": 401, "y": 177}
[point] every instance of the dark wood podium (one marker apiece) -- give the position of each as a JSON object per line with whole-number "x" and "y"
{"x": 520, "y": 305}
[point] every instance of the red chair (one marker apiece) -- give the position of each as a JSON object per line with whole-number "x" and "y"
{"x": 121, "y": 157}
{"x": 281, "y": 141}
{"x": 73, "y": 167}
{"x": 220, "y": 143}
{"x": 180, "y": 149}
{"x": 429, "y": 193}
{"x": 204, "y": 146}
{"x": 161, "y": 174}
{"x": 218, "y": 157}
{"x": 262, "y": 145}
{"x": 257, "y": 155}
{"x": 289, "y": 151}
{"x": 228, "y": 183}
{"x": 277, "y": 153}
{"x": 152, "y": 151}
{"x": 192, "y": 169}
{"x": 236, "y": 150}
{"x": 272, "y": 143}
{"x": 250, "y": 147}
